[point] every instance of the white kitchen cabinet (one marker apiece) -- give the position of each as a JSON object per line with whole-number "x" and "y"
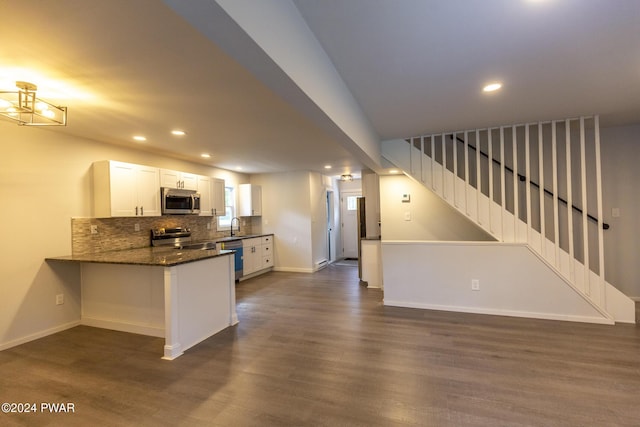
{"x": 257, "y": 254}
{"x": 267, "y": 251}
{"x": 249, "y": 200}
{"x": 176, "y": 179}
{"x": 217, "y": 197}
{"x": 211, "y": 196}
{"x": 251, "y": 255}
{"x": 125, "y": 189}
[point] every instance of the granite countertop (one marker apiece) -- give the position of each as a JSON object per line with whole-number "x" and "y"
{"x": 248, "y": 236}
{"x": 153, "y": 256}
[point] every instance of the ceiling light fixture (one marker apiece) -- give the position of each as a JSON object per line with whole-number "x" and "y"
{"x": 205, "y": 155}
{"x": 178, "y": 132}
{"x": 139, "y": 138}
{"x": 23, "y": 107}
{"x": 327, "y": 166}
{"x": 492, "y": 87}
{"x": 346, "y": 177}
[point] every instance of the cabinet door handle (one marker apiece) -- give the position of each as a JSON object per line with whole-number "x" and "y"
{"x": 213, "y": 212}
{"x": 136, "y": 211}
{"x": 141, "y": 210}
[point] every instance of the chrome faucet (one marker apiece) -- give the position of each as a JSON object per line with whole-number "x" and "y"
{"x": 237, "y": 219}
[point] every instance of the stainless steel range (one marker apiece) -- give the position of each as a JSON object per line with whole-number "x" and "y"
{"x": 179, "y": 238}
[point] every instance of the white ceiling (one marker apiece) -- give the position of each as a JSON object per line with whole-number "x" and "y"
{"x": 136, "y": 67}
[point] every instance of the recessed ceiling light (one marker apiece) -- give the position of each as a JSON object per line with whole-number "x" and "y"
{"x": 327, "y": 166}
{"x": 205, "y": 155}
{"x": 178, "y": 132}
{"x": 139, "y": 138}
{"x": 393, "y": 171}
{"x": 492, "y": 87}
{"x": 238, "y": 168}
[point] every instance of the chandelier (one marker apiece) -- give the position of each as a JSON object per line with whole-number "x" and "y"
{"x": 23, "y": 107}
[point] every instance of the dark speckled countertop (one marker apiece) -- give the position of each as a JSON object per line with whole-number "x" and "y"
{"x": 153, "y": 256}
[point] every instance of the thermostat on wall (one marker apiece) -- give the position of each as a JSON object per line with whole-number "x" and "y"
{"x": 406, "y": 198}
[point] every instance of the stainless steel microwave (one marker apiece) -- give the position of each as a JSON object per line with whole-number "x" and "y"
{"x": 180, "y": 202}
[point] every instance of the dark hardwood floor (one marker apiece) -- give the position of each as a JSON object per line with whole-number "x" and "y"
{"x": 321, "y": 349}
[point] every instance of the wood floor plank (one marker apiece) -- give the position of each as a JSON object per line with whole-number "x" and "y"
{"x": 320, "y": 349}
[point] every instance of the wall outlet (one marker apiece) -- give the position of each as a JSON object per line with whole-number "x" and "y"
{"x": 407, "y": 216}
{"x": 59, "y": 299}
{"x": 136, "y": 227}
{"x": 475, "y": 285}
{"x": 94, "y": 229}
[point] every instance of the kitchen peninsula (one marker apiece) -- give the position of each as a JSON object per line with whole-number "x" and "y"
{"x": 184, "y": 296}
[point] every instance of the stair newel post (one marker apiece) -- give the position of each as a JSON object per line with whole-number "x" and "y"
{"x": 516, "y": 199}
{"x": 466, "y": 172}
{"x": 422, "y": 174}
{"x": 444, "y": 165}
{"x": 554, "y": 160}
{"x": 490, "y": 168}
{"x": 411, "y": 156}
{"x": 433, "y": 160}
{"x": 455, "y": 169}
{"x": 503, "y": 200}
{"x": 567, "y": 127}
{"x": 603, "y": 295}
{"x": 478, "y": 177}
{"x": 527, "y": 163}
{"x": 585, "y": 205}
{"x": 543, "y": 230}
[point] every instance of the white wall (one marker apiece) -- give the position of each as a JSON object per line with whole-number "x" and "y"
{"x": 430, "y": 217}
{"x": 286, "y": 212}
{"x": 318, "y": 186}
{"x": 45, "y": 180}
{"x": 512, "y": 280}
{"x": 620, "y": 181}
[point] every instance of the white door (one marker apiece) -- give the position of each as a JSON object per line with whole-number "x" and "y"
{"x": 349, "y": 211}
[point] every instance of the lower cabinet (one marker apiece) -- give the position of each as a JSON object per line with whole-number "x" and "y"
{"x": 256, "y": 254}
{"x": 267, "y": 251}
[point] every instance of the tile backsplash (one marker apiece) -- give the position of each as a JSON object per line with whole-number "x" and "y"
{"x": 119, "y": 233}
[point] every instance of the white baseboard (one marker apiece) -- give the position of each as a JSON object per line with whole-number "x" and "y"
{"x": 123, "y": 327}
{"x": 37, "y": 335}
{"x": 294, "y": 270}
{"x": 498, "y": 312}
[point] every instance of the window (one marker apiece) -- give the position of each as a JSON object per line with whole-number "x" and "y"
{"x": 224, "y": 222}
{"x": 352, "y": 203}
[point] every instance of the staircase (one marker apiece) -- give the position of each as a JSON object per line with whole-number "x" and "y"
{"x": 536, "y": 183}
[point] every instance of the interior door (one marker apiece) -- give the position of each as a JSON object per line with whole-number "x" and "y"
{"x": 348, "y": 211}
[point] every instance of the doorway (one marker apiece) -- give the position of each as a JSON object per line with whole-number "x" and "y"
{"x": 331, "y": 236}
{"x": 349, "y": 222}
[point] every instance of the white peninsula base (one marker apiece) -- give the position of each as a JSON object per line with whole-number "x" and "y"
{"x": 184, "y": 303}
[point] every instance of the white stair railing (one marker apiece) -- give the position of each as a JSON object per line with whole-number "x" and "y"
{"x": 546, "y": 205}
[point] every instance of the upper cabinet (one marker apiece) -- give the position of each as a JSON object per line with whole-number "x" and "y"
{"x": 125, "y": 189}
{"x": 175, "y": 179}
{"x": 211, "y": 196}
{"x": 249, "y": 200}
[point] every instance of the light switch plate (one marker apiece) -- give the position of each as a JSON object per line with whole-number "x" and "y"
{"x": 406, "y": 198}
